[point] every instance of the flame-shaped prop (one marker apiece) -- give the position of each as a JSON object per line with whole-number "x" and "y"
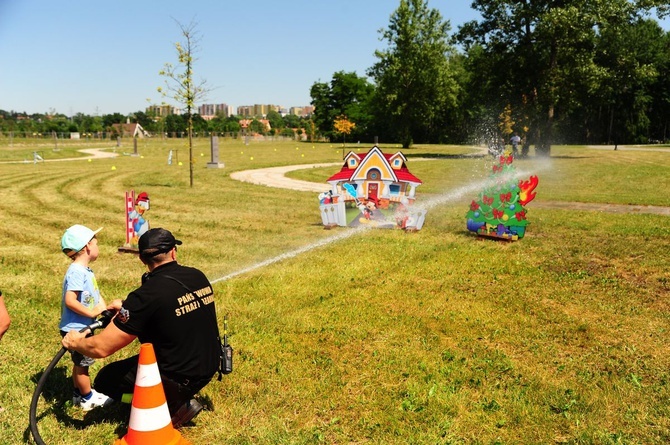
{"x": 526, "y": 193}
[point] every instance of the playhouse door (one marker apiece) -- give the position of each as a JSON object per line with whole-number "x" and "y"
{"x": 373, "y": 188}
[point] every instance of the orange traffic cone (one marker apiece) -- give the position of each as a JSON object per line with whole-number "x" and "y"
{"x": 150, "y": 422}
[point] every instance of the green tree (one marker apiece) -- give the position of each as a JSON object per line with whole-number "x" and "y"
{"x": 292, "y": 121}
{"x": 346, "y": 94}
{"x": 180, "y": 84}
{"x": 88, "y": 124}
{"x": 630, "y": 58}
{"x": 540, "y": 56}
{"x": 276, "y": 121}
{"x": 415, "y": 87}
{"x": 256, "y": 126}
{"x": 175, "y": 124}
{"x": 660, "y": 119}
{"x": 115, "y": 118}
{"x": 144, "y": 120}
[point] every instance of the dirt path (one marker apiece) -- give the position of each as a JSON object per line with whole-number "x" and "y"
{"x": 275, "y": 177}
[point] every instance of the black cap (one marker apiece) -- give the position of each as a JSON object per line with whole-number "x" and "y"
{"x": 155, "y": 241}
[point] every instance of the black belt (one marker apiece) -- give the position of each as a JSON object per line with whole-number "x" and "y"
{"x": 189, "y": 382}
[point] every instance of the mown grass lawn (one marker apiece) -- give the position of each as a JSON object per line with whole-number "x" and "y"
{"x": 381, "y": 337}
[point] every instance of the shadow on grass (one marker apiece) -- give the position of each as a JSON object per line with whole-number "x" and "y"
{"x": 57, "y": 394}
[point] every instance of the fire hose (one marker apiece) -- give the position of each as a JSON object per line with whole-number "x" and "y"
{"x": 102, "y": 321}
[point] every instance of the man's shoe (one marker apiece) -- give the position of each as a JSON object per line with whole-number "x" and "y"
{"x": 97, "y": 399}
{"x": 186, "y": 413}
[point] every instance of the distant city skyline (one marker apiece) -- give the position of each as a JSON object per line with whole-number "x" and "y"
{"x": 209, "y": 111}
{"x": 101, "y": 58}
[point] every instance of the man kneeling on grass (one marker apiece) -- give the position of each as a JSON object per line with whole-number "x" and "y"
{"x": 173, "y": 310}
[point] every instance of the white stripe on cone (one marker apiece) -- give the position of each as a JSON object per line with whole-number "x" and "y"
{"x": 148, "y": 375}
{"x": 149, "y": 419}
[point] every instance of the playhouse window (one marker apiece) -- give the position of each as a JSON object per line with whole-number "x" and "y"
{"x": 397, "y": 162}
{"x": 374, "y": 174}
{"x": 352, "y": 162}
{"x": 394, "y": 189}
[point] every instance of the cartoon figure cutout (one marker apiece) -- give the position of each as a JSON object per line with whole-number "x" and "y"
{"x": 373, "y": 189}
{"x": 136, "y": 222}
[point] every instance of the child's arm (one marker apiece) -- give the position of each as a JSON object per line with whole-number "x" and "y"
{"x": 72, "y": 302}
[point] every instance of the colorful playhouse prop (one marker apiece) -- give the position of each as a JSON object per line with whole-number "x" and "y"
{"x": 499, "y": 211}
{"x": 136, "y": 223}
{"x": 374, "y": 189}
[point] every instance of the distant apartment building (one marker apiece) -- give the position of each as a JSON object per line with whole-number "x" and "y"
{"x": 245, "y": 110}
{"x": 257, "y": 110}
{"x": 210, "y": 111}
{"x": 162, "y": 110}
{"x": 305, "y": 111}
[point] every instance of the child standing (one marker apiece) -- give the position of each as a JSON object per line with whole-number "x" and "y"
{"x": 81, "y": 303}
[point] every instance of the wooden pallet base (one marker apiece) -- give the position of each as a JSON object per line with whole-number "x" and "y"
{"x": 499, "y": 238}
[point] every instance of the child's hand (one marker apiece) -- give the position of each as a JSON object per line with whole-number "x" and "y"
{"x": 101, "y": 306}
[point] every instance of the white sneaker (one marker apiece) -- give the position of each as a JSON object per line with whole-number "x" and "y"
{"x": 97, "y": 399}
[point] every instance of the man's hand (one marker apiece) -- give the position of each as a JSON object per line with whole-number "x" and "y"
{"x": 72, "y": 339}
{"x": 115, "y": 305}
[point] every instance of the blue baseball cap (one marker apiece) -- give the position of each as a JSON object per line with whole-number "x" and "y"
{"x": 75, "y": 238}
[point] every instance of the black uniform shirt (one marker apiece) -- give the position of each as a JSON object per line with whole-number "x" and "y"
{"x": 178, "y": 320}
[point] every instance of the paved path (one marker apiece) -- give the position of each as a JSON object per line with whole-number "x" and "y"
{"x": 275, "y": 177}
{"x": 94, "y": 153}
{"x": 628, "y": 148}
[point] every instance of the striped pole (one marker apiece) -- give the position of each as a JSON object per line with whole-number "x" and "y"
{"x": 130, "y": 202}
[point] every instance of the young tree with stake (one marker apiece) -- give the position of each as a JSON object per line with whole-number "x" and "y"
{"x": 180, "y": 85}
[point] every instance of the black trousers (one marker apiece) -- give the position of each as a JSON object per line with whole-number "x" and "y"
{"x": 118, "y": 378}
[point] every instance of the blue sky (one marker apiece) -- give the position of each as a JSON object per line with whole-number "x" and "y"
{"x": 104, "y": 57}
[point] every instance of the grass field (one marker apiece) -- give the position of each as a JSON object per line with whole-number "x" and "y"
{"x": 381, "y": 337}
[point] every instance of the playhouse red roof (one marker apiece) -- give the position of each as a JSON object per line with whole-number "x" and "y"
{"x": 402, "y": 173}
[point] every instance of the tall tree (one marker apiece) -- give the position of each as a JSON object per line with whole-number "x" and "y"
{"x": 180, "y": 84}
{"x": 414, "y": 82}
{"x": 630, "y": 58}
{"x": 660, "y": 118}
{"x": 346, "y": 94}
{"x": 541, "y": 54}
